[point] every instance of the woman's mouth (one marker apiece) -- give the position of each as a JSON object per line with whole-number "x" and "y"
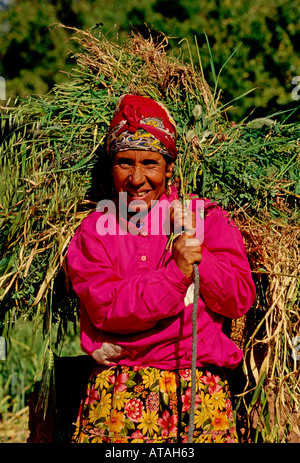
{"x": 138, "y": 195}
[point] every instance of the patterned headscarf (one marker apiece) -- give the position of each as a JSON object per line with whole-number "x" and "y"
{"x": 140, "y": 123}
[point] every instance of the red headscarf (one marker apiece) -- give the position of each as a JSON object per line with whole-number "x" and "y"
{"x": 142, "y": 123}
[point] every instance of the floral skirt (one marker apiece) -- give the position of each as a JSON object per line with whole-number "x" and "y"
{"x": 125, "y": 404}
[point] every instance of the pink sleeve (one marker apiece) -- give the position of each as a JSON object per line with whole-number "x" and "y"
{"x": 120, "y": 305}
{"x": 226, "y": 284}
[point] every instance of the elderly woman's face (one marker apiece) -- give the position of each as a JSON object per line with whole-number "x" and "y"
{"x": 142, "y": 175}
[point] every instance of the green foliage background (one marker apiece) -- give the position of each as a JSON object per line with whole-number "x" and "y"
{"x": 264, "y": 35}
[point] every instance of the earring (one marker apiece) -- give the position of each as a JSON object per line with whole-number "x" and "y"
{"x": 169, "y": 191}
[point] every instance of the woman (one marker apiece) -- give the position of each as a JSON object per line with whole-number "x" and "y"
{"x": 136, "y": 295}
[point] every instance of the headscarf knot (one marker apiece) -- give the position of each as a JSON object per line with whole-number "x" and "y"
{"x": 132, "y": 116}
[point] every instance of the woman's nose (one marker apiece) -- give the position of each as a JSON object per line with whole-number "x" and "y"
{"x": 137, "y": 176}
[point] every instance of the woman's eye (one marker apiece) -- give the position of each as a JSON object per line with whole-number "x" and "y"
{"x": 150, "y": 163}
{"x": 124, "y": 164}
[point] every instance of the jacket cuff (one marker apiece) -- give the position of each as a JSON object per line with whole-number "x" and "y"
{"x": 176, "y": 278}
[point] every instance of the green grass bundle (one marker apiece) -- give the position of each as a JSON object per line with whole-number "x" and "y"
{"x": 52, "y": 169}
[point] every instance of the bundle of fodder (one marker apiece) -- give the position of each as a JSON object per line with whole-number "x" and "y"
{"x": 53, "y": 173}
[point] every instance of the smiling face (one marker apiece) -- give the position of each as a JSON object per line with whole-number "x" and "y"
{"x": 142, "y": 175}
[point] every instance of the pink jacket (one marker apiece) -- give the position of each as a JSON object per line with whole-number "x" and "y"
{"x": 133, "y": 294}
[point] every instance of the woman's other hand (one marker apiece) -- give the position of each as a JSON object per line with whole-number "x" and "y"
{"x": 109, "y": 353}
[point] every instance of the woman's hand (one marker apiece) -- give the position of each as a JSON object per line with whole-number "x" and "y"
{"x": 186, "y": 252}
{"x": 182, "y": 219}
{"x": 186, "y": 248}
